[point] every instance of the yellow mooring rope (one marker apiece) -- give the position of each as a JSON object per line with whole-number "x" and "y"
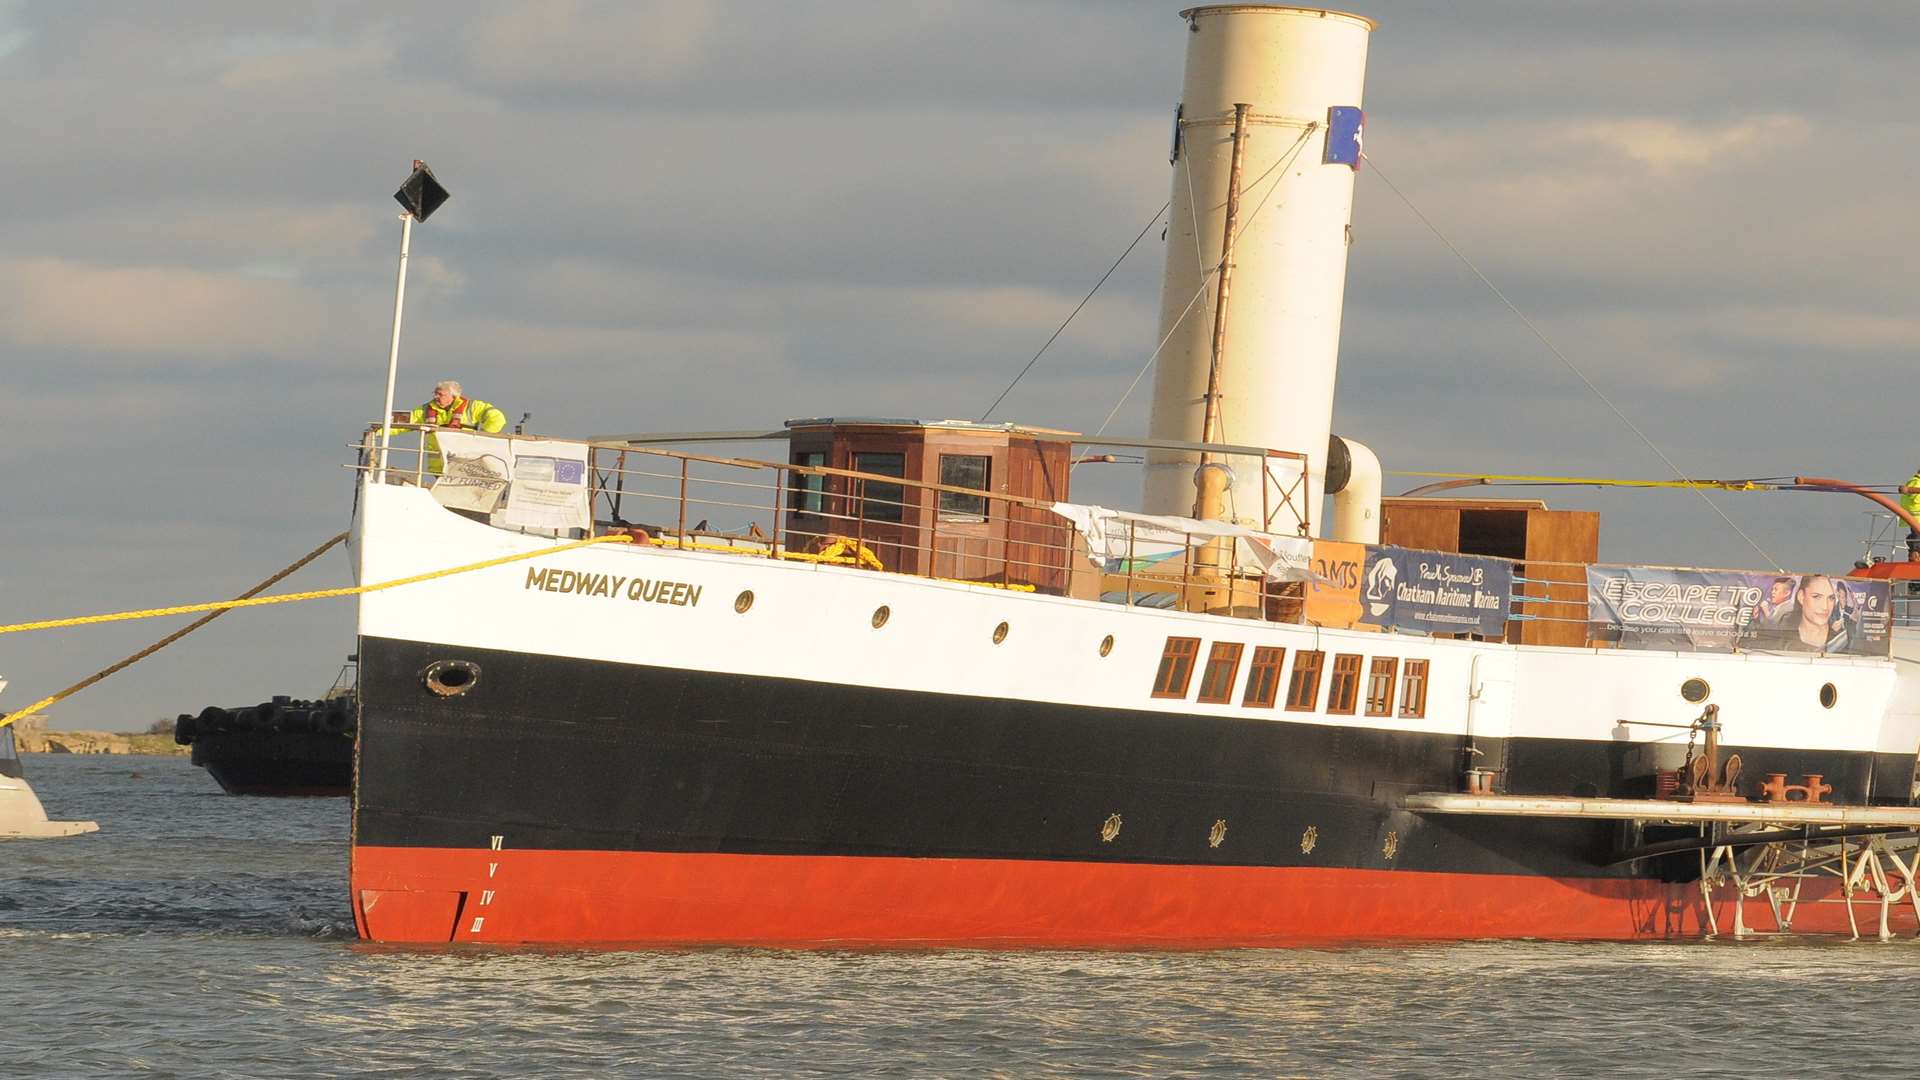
{"x": 262, "y": 601}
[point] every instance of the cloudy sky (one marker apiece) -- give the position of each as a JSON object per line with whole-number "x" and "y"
{"x": 685, "y": 215}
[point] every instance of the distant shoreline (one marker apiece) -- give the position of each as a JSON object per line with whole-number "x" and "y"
{"x": 32, "y": 737}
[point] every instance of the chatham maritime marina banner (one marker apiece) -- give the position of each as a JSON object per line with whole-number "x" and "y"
{"x": 1435, "y": 592}
{"x": 1720, "y": 611}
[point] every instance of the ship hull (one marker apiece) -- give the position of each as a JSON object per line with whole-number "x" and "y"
{"x": 722, "y": 748}
{"x": 567, "y": 800}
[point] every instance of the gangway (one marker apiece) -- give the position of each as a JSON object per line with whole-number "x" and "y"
{"x": 1757, "y": 850}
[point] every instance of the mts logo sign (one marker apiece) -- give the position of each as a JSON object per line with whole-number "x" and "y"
{"x": 1333, "y": 599}
{"x": 1339, "y": 574}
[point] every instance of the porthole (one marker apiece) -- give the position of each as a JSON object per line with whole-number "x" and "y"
{"x": 450, "y": 678}
{"x": 1106, "y": 645}
{"x": 744, "y": 601}
{"x": 1829, "y": 696}
{"x": 1695, "y": 690}
{"x": 880, "y": 616}
{"x": 1000, "y": 633}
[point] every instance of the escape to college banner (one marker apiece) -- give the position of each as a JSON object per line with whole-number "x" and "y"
{"x": 1720, "y": 611}
{"x": 1436, "y": 592}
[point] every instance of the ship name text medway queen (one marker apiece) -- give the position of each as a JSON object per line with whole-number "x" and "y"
{"x": 613, "y": 586}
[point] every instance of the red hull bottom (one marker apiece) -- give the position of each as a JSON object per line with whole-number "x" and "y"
{"x": 423, "y": 895}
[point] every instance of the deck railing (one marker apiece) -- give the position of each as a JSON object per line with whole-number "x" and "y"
{"x": 816, "y": 513}
{"x": 780, "y": 510}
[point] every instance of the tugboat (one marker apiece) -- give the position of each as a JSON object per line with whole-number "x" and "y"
{"x": 21, "y": 815}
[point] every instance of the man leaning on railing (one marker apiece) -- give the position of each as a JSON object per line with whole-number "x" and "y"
{"x": 449, "y": 408}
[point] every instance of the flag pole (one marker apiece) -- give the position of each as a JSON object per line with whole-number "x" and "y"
{"x": 419, "y": 197}
{"x": 393, "y": 352}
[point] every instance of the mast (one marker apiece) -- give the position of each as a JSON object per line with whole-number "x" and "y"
{"x": 1215, "y": 560}
{"x": 1208, "y": 505}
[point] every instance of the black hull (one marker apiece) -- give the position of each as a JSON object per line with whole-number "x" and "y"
{"x": 278, "y": 764}
{"x": 571, "y": 755}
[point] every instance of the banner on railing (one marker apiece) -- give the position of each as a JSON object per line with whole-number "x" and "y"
{"x": 525, "y": 483}
{"x": 1719, "y": 611}
{"x": 1437, "y": 592}
{"x": 1122, "y": 542}
{"x": 474, "y": 471}
{"x": 1333, "y": 593}
{"x": 549, "y": 486}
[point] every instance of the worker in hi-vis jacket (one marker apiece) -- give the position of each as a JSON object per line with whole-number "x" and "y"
{"x": 1911, "y": 503}
{"x": 449, "y": 408}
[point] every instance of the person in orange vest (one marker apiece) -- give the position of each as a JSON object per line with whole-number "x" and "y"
{"x": 449, "y": 408}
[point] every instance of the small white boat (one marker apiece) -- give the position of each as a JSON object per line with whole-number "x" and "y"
{"x": 21, "y": 815}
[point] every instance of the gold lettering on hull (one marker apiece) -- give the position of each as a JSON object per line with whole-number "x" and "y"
{"x": 613, "y": 587}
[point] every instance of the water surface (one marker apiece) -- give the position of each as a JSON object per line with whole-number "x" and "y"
{"x": 202, "y": 935}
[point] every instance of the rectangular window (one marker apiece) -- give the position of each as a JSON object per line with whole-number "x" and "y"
{"x": 809, "y": 492}
{"x": 881, "y": 502}
{"x": 1380, "y": 686}
{"x": 1304, "y": 690}
{"x": 1223, "y": 666}
{"x": 1176, "y": 667}
{"x": 1263, "y": 677}
{"x": 968, "y": 471}
{"x": 1413, "y": 689}
{"x": 1343, "y": 690}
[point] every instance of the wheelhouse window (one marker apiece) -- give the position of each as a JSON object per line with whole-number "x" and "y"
{"x": 1263, "y": 677}
{"x": 1413, "y": 689}
{"x": 1176, "y": 667}
{"x": 967, "y": 471}
{"x": 880, "y": 502}
{"x": 1304, "y": 690}
{"x": 1223, "y": 666}
{"x": 809, "y": 492}
{"x": 1380, "y": 685}
{"x": 1343, "y": 690}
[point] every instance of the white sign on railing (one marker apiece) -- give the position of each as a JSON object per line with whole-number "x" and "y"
{"x": 549, "y": 486}
{"x": 522, "y": 483}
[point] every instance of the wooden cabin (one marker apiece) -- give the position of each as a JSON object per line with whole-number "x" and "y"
{"x": 939, "y": 530}
{"x": 1521, "y": 529}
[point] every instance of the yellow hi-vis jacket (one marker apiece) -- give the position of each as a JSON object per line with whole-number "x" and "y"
{"x": 1912, "y": 502}
{"x": 467, "y": 413}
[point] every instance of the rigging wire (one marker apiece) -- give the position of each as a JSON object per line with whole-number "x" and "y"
{"x": 1562, "y": 357}
{"x": 1206, "y": 278}
{"x": 1144, "y": 229}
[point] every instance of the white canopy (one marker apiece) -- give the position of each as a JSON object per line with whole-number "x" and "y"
{"x": 1112, "y": 535}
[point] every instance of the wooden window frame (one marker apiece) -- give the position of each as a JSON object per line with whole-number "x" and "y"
{"x": 1343, "y": 684}
{"x": 953, "y": 506}
{"x": 882, "y": 502}
{"x": 1414, "y": 677}
{"x": 1176, "y": 660}
{"x": 809, "y": 494}
{"x": 1313, "y": 664}
{"x": 1269, "y": 663}
{"x": 1390, "y": 667}
{"x": 1223, "y": 655}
